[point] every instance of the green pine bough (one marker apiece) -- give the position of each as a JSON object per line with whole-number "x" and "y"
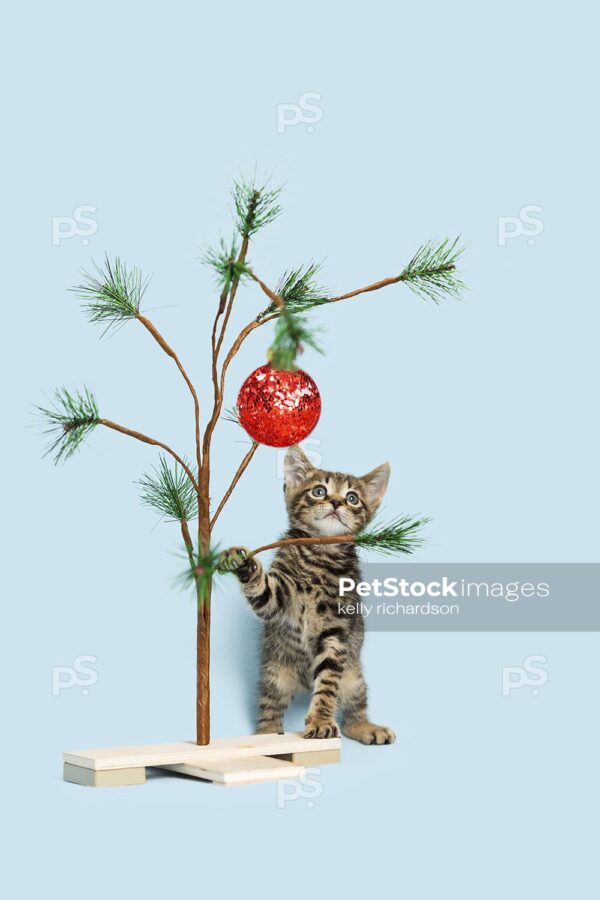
{"x": 179, "y": 489}
{"x": 73, "y": 415}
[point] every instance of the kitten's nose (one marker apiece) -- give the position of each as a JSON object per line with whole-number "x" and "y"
{"x": 336, "y": 503}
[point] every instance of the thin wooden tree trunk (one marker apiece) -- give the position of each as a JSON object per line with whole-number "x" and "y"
{"x": 203, "y": 623}
{"x": 203, "y": 671}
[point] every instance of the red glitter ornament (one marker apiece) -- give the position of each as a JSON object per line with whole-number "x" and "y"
{"x": 278, "y": 408}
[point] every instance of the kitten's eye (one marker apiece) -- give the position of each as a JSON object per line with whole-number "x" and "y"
{"x": 352, "y": 498}
{"x": 319, "y": 491}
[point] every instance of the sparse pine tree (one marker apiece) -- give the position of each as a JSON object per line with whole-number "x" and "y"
{"x": 179, "y": 490}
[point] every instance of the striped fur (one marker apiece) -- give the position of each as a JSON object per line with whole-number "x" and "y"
{"x": 308, "y": 644}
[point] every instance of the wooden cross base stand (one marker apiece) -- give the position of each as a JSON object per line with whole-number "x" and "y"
{"x": 243, "y": 760}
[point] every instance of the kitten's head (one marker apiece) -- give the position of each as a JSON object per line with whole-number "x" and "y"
{"x": 330, "y": 503}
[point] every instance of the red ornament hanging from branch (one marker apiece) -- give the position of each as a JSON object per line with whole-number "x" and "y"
{"x": 279, "y": 404}
{"x": 278, "y": 408}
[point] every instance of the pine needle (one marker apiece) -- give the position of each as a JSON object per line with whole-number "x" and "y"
{"x": 398, "y": 536}
{"x": 232, "y": 415}
{"x": 292, "y": 334}
{"x": 299, "y": 290}
{"x": 200, "y": 577}
{"x": 255, "y": 206}
{"x": 70, "y": 419}
{"x": 112, "y": 294}
{"x": 223, "y": 260}
{"x": 431, "y": 273}
{"x": 169, "y": 491}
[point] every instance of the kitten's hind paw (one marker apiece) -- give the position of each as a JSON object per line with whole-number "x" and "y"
{"x": 270, "y": 728}
{"x": 368, "y": 733}
{"x": 321, "y": 729}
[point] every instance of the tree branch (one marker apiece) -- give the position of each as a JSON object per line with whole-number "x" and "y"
{"x": 242, "y": 468}
{"x": 216, "y": 348}
{"x": 248, "y": 329}
{"x": 234, "y": 286}
{"x": 251, "y": 326}
{"x": 365, "y": 290}
{"x": 324, "y": 539}
{"x": 278, "y": 301}
{"x": 273, "y": 297}
{"x": 401, "y": 535}
{"x": 187, "y": 540}
{"x": 247, "y": 207}
{"x": 213, "y": 342}
{"x": 148, "y": 440}
{"x": 171, "y": 353}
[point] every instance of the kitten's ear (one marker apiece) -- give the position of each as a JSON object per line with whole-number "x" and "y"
{"x": 296, "y": 467}
{"x": 376, "y": 483}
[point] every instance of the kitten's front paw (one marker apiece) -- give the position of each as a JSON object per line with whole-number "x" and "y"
{"x": 321, "y": 728}
{"x": 368, "y": 733}
{"x": 236, "y": 560}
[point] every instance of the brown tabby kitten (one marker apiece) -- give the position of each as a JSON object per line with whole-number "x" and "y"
{"x": 308, "y": 644}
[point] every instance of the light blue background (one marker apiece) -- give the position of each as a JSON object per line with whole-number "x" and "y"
{"x": 437, "y": 119}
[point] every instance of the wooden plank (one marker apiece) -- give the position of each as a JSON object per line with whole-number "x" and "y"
{"x": 103, "y": 778}
{"x": 191, "y": 753}
{"x": 311, "y": 757}
{"x": 248, "y": 770}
